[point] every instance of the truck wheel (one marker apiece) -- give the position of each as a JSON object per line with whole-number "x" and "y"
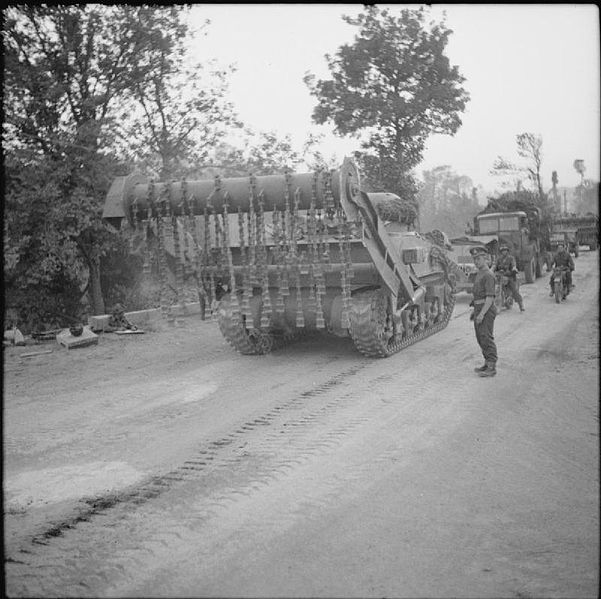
{"x": 529, "y": 271}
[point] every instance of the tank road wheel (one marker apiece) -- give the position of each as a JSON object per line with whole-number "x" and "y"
{"x": 233, "y": 327}
{"x": 371, "y": 325}
{"x": 529, "y": 271}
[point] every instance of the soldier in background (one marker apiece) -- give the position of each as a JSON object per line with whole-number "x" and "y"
{"x": 562, "y": 258}
{"x": 484, "y": 312}
{"x": 507, "y": 266}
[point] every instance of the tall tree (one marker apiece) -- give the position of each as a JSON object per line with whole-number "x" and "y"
{"x": 68, "y": 68}
{"x": 182, "y": 114}
{"x": 447, "y": 201}
{"x": 393, "y": 87}
{"x": 529, "y": 148}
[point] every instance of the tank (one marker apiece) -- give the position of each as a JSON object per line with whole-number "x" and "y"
{"x": 281, "y": 255}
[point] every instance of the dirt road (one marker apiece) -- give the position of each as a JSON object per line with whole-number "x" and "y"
{"x": 168, "y": 465}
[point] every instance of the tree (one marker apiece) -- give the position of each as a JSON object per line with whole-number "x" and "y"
{"x": 447, "y": 201}
{"x": 258, "y": 153}
{"x": 586, "y": 197}
{"x": 529, "y": 147}
{"x": 184, "y": 114}
{"x": 67, "y": 68}
{"x": 394, "y": 86}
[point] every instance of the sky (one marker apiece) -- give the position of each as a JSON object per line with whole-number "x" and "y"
{"x": 528, "y": 68}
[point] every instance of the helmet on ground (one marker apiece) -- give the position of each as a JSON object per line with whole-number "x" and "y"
{"x": 76, "y": 329}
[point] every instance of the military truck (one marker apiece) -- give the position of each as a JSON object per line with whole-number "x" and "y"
{"x": 589, "y": 235}
{"x": 518, "y": 230}
{"x": 567, "y": 230}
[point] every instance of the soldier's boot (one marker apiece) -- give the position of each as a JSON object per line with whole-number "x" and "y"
{"x": 481, "y": 368}
{"x": 552, "y": 293}
{"x": 522, "y": 309}
{"x": 490, "y": 370}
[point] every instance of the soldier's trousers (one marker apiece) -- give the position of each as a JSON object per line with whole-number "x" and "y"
{"x": 485, "y": 335}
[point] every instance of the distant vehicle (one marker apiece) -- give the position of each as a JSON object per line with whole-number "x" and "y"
{"x": 513, "y": 228}
{"x": 569, "y": 241}
{"x": 460, "y": 254}
{"x": 579, "y": 230}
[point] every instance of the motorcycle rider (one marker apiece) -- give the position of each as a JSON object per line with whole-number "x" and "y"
{"x": 507, "y": 266}
{"x": 562, "y": 258}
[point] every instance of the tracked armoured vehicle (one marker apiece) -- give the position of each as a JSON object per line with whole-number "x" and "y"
{"x": 279, "y": 255}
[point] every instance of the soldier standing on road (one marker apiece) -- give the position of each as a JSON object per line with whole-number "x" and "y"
{"x": 562, "y": 258}
{"x": 506, "y": 265}
{"x": 484, "y": 312}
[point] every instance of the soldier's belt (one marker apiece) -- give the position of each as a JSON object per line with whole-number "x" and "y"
{"x": 478, "y": 302}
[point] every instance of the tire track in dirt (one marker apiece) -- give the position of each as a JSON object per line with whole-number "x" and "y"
{"x": 262, "y": 451}
{"x": 211, "y": 461}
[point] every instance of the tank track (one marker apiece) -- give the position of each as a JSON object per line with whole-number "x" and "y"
{"x": 252, "y": 341}
{"x": 368, "y": 320}
{"x": 367, "y": 326}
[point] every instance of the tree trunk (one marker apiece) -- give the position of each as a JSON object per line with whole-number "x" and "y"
{"x": 97, "y": 301}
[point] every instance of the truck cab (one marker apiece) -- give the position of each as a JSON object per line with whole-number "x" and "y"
{"x": 512, "y": 228}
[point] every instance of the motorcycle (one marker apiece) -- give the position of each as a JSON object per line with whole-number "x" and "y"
{"x": 560, "y": 285}
{"x": 504, "y": 296}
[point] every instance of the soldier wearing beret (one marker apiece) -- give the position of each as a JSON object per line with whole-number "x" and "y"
{"x": 484, "y": 312}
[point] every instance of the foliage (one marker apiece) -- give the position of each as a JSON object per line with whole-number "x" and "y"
{"x": 314, "y": 158}
{"x": 447, "y": 201}
{"x": 68, "y": 69}
{"x": 587, "y": 197}
{"x": 181, "y": 114}
{"x": 258, "y": 153}
{"x": 529, "y": 148}
{"x": 394, "y": 86}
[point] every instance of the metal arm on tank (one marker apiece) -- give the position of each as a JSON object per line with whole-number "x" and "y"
{"x": 357, "y": 206}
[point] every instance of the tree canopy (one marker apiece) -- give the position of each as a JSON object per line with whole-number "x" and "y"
{"x": 447, "y": 201}
{"x": 529, "y": 148}
{"x": 393, "y": 87}
{"x": 68, "y": 69}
